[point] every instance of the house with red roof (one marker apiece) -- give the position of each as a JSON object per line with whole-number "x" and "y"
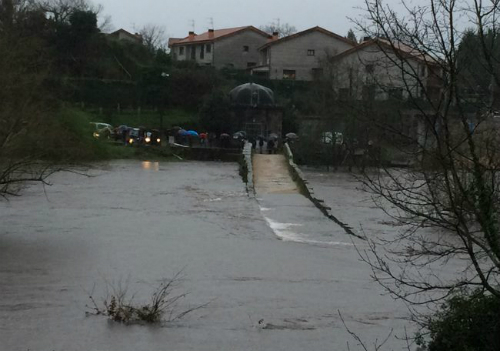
{"x": 299, "y": 56}
{"x": 230, "y": 47}
{"x": 378, "y": 69}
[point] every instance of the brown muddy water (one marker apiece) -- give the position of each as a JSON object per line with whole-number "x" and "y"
{"x": 273, "y": 259}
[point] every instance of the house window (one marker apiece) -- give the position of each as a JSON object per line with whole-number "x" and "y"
{"x": 289, "y": 74}
{"x": 181, "y": 51}
{"x": 209, "y": 48}
{"x": 310, "y": 52}
{"x": 202, "y": 52}
{"x": 193, "y": 52}
{"x": 369, "y": 68}
{"x": 245, "y": 48}
{"x": 251, "y": 64}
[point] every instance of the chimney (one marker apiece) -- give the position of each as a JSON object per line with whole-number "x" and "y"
{"x": 366, "y": 39}
{"x": 210, "y": 33}
{"x": 191, "y": 35}
{"x": 275, "y": 36}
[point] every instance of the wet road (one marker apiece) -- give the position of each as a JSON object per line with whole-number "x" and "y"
{"x": 139, "y": 222}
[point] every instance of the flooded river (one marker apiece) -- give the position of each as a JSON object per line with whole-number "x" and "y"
{"x": 135, "y": 223}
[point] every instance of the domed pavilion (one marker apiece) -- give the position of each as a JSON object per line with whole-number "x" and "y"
{"x": 254, "y": 111}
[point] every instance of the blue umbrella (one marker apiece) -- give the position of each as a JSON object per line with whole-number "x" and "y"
{"x": 182, "y": 132}
{"x": 192, "y": 133}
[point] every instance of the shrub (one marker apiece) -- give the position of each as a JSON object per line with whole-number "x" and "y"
{"x": 466, "y": 323}
{"x": 119, "y": 306}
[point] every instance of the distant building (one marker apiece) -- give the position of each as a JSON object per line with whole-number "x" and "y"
{"x": 299, "y": 56}
{"x": 122, "y": 34}
{"x": 231, "y": 47}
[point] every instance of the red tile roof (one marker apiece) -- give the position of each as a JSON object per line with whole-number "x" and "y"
{"x": 172, "y": 41}
{"x": 383, "y": 44}
{"x": 215, "y": 35}
{"x": 313, "y": 29}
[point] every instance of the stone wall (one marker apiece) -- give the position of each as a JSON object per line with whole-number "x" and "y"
{"x": 247, "y": 167}
{"x": 308, "y": 191}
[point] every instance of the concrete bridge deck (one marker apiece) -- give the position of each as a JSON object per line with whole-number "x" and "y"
{"x": 291, "y": 215}
{"x": 271, "y": 175}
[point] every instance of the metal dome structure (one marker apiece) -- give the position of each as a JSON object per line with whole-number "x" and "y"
{"x": 252, "y": 95}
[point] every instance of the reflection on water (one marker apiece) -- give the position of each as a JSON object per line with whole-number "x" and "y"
{"x": 155, "y": 166}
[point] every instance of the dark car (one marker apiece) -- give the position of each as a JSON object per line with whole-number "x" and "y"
{"x": 152, "y": 137}
{"x": 134, "y": 137}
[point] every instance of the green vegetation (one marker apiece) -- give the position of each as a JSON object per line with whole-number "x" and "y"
{"x": 466, "y": 323}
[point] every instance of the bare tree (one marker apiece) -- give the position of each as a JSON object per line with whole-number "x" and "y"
{"x": 153, "y": 36}
{"x": 449, "y": 199}
{"x": 60, "y": 10}
{"x": 283, "y": 29}
{"x": 24, "y": 103}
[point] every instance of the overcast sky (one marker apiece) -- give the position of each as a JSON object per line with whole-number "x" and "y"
{"x": 177, "y": 16}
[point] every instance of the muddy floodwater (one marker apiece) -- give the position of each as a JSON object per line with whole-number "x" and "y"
{"x": 273, "y": 259}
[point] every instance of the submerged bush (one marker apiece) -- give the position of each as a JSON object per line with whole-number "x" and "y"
{"x": 120, "y": 306}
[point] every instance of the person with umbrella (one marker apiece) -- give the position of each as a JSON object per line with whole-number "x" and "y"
{"x": 261, "y": 143}
{"x": 203, "y": 138}
{"x": 290, "y": 137}
{"x": 270, "y": 146}
{"x": 191, "y": 135}
{"x": 224, "y": 140}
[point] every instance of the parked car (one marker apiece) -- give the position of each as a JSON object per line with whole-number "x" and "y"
{"x": 134, "y": 137}
{"x": 152, "y": 137}
{"x": 102, "y": 130}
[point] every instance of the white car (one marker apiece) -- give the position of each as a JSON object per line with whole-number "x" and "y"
{"x": 102, "y": 129}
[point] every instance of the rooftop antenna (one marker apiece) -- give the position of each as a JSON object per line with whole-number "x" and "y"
{"x": 277, "y": 21}
{"x": 211, "y": 23}
{"x": 192, "y": 23}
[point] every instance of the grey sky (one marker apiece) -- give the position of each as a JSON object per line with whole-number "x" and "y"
{"x": 176, "y": 16}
